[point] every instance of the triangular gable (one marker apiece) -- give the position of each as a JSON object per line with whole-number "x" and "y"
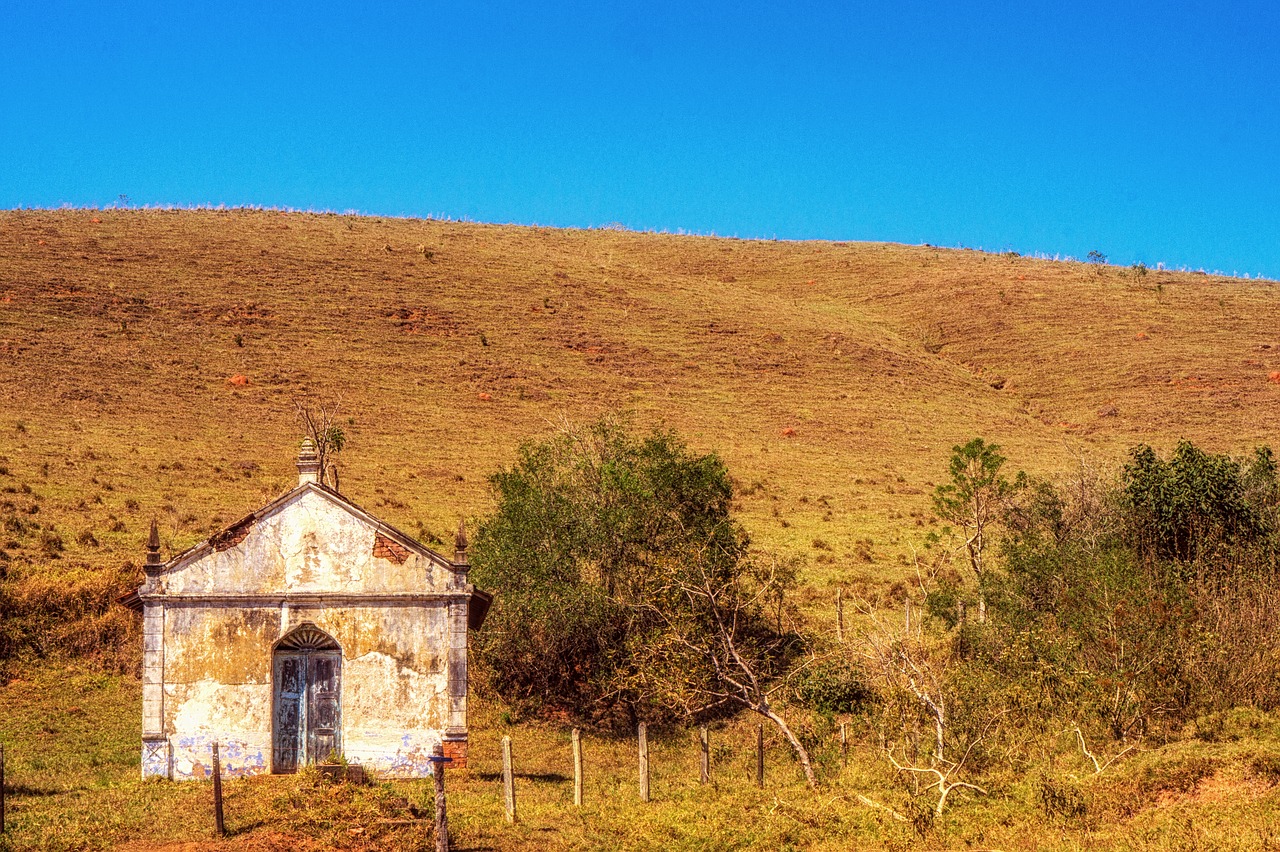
{"x": 309, "y": 540}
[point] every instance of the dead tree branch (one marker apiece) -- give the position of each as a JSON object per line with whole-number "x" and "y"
{"x": 318, "y": 421}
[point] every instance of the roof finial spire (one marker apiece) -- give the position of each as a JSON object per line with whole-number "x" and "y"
{"x": 460, "y": 544}
{"x": 154, "y": 562}
{"x": 308, "y": 462}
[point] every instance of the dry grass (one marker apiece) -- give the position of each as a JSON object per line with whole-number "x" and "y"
{"x": 836, "y": 376}
{"x": 71, "y": 738}
{"x": 832, "y": 377}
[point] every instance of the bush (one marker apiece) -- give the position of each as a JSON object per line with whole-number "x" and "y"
{"x": 1196, "y": 504}
{"x": 832, "y": 686}
{"x": 596, "y": 538}
{"x": 50, "y": 544}
{"x": 1155, "y": 601}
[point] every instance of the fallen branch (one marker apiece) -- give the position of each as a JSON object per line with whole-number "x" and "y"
{"x": 872, "y": 803}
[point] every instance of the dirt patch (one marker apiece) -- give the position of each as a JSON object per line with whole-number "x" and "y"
{"x": 424, "y": 320}
{"x": 1220, "y": 787}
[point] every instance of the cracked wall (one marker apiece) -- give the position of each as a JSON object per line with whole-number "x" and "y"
{"x": 394, "y": 614}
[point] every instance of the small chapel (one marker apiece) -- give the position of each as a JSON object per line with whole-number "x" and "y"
{"x": 308, "y": 631}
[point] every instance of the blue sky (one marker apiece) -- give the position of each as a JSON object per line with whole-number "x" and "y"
{"x": 1147, "y": 131}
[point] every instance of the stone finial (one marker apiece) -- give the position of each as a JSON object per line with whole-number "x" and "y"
{"x": 460, "y": 544}
{"x": 154, "y": 562}
{"x": 308, "y": 462}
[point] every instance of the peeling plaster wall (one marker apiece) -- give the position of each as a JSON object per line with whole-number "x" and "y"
{"x": 224, "y": 611}
{"x": 218, "y": 684}
{"x": 309, "y": 544}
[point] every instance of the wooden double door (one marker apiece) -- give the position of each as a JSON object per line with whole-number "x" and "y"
{"x": 307, "y": 716}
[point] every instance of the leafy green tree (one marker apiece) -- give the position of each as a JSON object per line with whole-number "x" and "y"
{"x": 972, "y": 500}
{"x": 605, "y": 549}
{"x": 1197, "y": 504}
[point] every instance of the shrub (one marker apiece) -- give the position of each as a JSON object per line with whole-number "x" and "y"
{"x": 50, "y": 543}
{"x": 598, "y": 539}
{"x": 1154, "y": 601}
{"x": 832, "y": 686}
{"x": 1196, "y": 503}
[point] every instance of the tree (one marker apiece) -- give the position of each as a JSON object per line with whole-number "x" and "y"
{"x": 329, "y": 438}
{"x": 923, "y": 688}
{"x": 586, "y": 524}
{"x": 972, "y": 501}
{"x": 624, "y": 585}
{"x": 721, "y": 632}
{"x": 1196, "y": 503}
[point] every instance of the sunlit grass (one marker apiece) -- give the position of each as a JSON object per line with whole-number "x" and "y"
{"x": 832, "y": 378}
{"x": 71, "y": 739}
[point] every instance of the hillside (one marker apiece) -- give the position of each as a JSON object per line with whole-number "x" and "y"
{"x": 832, "y": 377}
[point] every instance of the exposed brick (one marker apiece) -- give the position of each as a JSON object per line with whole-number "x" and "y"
{"x": 458, "y": 751}
{"x": 385, "y": 548}
{"x": 232, "y": 535}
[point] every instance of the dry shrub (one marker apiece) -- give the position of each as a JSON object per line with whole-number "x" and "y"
{"x": 70, "y": 615}
{"x": 1237, "y": 661}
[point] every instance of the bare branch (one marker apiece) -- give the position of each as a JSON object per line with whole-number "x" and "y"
{"x": 1099, "y": 768}
{"x": 872, "y": 803}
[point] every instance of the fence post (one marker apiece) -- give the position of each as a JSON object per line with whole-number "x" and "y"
{"x": 508, "y": 782}
{"x": 839, "y": 615}
{"x": 844, "y": 742}
{"x": 644, "y": 762}
{"x": 577, "y": 767}
{"x": 704, "y": 763}
{"x": 760, "y": 755}
{"x": 438, "y": 761}
{"x": 217, "y": 792}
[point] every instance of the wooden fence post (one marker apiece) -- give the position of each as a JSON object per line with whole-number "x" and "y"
{"x": 508, "y": 782}
{"x": 839, "y": 615}
{"x": 217, "y": 792}
{"x": 844, "y": 742}
{"x": 577, "y": 767}
{"x": 704, "y": 763}
{"x": 644, "y": 762}
{"x": 442, "y": 815}
{"x": 760, "y": 755}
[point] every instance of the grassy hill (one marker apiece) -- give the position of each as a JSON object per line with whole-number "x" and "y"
{"x": 832, "y": 377}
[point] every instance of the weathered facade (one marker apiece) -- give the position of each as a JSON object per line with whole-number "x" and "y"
{"x": 307, "y": 630}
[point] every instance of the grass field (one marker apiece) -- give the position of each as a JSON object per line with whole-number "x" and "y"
{"x": 833, "y": 378}
{"x": 73, "y": 785}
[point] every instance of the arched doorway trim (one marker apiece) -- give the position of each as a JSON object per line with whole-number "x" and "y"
{"x": 306, "y": 713}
